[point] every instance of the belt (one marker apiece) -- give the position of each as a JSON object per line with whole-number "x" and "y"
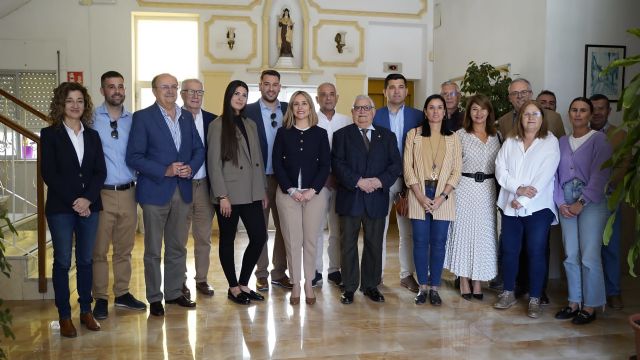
{"x": 479, "y": 176}
{"x": 119, "y": 187}
{"x": 430, "y": 183}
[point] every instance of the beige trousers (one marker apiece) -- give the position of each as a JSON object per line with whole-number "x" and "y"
{"x": 201, "y": 218}
{"x": 117, "y": 227}
{"x": 279, "y": 256}
{"x": 300, "y": 223}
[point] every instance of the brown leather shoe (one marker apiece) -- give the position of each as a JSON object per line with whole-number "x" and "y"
{"x": 89, "y": 321}
{"x": 410, "y": 283}
{"x": 204, "y": 288}
{"x": 262, "y": 284}
{"x": 67, "y": 329}
{"x": 283, "y": 282}
{"x": 615, "y": 302}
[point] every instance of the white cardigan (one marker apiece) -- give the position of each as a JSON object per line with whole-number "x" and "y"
{"x": 536, "y": 167}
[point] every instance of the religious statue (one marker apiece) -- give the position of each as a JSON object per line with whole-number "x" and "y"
{"x": 231, "y": 37}
{"x": 339, "y": 39}
{"x": 285, "y": 34}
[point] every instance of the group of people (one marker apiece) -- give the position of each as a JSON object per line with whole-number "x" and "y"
{"x": 447, "y": 168}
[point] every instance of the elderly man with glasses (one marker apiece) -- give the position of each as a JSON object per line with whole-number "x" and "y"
{"x": 201, "y": 213}
{"x": 450, "y": 91}
{"x": 366, "y": 163}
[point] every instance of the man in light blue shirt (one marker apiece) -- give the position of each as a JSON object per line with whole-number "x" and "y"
{"x": 118, "y": 218}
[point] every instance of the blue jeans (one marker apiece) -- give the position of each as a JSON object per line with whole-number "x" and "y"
{"x": 582, "y": 240}
{"x": 63, "y": 226}
{"x": 429, "y": 245}
{"x": 535, "y": 228}
{"x": 611, "y": 258}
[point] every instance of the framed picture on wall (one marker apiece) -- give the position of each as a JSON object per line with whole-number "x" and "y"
{"x": 596, "y": 58}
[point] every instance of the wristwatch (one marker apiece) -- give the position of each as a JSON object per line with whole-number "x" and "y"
{"x": 445, "y": 195}
{"x": 582, "y": 201}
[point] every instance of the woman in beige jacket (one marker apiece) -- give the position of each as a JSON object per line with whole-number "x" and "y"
{"x": 432, "y": 166}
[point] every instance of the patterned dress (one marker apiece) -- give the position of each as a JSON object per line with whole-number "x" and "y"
{"x": 472, "y": 247}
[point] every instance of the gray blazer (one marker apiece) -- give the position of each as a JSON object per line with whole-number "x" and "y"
{"x": 244, "y": 183}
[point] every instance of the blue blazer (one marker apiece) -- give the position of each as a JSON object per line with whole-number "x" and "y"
{"x": 253, "y": 112}
{"x": 67, "y": 179}
{"x": 351, "y": 161}
{"x": 304, "y": 153}
{"x": 150, "y": 150}
{"x": 412, "y": 119}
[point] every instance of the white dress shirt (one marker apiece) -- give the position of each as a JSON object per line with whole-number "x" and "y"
{"x": 535, "y": 167}
{"x": 77, "y": 141}
{"x": 337, "y": 122}
{"x": 202, "y": 172}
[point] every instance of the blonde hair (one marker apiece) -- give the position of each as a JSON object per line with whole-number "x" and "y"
{"x": 289, "y": 120}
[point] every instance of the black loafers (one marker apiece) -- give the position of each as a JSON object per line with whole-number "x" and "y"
{"x": 347, "y": 297}
{"x": 567, "y": 313}
{"x": 241, "y": 298}
{"x": 374, "y": 295}
{"x": 156, "y": 308}
{"x": 421, "y": 298}
{"x": 252, "y": 295}
{"x": 583, "y": 317}
{"x": 434, "y": 298}
{"x": 183, "y": 301}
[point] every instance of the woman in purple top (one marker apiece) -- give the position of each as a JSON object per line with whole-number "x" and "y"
{"x": 580, "y": 196}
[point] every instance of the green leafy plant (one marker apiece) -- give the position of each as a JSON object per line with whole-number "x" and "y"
{"x": 5, "y": 268}
{"x": 486, "y": 79}
{"x": 627, "y": 156}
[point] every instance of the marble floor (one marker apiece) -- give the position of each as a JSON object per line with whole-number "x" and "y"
{"x": 396, "y": 329}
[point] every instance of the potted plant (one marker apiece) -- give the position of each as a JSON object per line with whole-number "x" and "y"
{"x": 628, "y": 190}
{"x": 486, "y": 79}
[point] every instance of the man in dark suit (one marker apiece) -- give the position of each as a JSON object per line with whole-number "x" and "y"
{"x": 399, "y": 118}
{"x": 164, "y": 147}
{"x": 267, "y": 113}
{"x": 201, "y": 213}
{"x": 366, "y": 163}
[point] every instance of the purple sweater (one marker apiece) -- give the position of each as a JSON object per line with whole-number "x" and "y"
{"x": 585, "y": 164}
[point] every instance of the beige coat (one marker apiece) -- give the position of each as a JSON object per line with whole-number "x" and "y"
{"x": 244, "y": 183}
{"x": 505, "y": 123}
{"x": 414, "y": 173}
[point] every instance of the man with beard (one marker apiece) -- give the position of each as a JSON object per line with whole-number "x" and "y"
{"x": 267, "y": 113}
{"x": 117, "y": 220}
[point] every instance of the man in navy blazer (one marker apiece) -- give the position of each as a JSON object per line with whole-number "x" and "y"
{"x": 164, "y": 147}
{"x": 399, "y": 118}
{"x": 366, "y": 163}
{"x": 201, "y": 212}
{"x": 267, "y": 113}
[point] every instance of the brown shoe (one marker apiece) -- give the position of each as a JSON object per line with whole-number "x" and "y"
{"x": 67, "y": 329}
{"x": 262, "y": 284}
{"x": 204, "y": 288}
{"x": 615, "y": 302}
{"x": 283, "y": 282}
{"x": 89, "y": 321}
{"x": 410, "y": 283}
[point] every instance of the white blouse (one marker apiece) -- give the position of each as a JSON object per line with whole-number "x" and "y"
{"x": 536, "y": 167}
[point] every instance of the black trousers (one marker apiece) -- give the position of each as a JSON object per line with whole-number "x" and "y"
{"x": 369, "y": 272}
{"x": 253, "y": 220}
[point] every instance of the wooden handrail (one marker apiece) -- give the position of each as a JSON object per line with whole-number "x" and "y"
{"x": 42, "y": 280}
{"x": 24, "y": 105}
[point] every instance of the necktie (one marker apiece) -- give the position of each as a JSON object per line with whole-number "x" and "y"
{"x": 366, "y": 139}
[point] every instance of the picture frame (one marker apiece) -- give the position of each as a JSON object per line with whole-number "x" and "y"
{"x": 596, "y": 58}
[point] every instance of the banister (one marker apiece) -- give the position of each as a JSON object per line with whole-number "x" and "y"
{"x": 24, "y": 105}
{"x": 42, "y": 280}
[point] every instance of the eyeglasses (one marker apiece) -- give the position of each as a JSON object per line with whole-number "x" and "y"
{"x": 357, "y": 108}
{"x": 114, "y": 126}
{"x": 534, "y": 114}
{"x": 522, "y": 93}
{"x": 449, "y": 94}
{"x": 168, "y": 87}
{"x": 193, "y": 92}
{"x": 274, "y": 123}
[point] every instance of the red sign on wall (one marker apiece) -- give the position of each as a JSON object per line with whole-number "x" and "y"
{"x": 75, "y": 76}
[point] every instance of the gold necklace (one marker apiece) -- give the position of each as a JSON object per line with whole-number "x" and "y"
{"x": 433, "y": 159}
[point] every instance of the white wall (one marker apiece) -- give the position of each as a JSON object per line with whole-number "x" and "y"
{"x": 598, "y": 22}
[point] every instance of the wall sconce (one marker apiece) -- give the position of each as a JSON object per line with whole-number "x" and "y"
{"x": 340, "y": 39}
{"x": 231, "y": 37}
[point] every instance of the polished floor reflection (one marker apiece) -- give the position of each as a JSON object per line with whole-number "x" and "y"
{"x": 397, "y": 329}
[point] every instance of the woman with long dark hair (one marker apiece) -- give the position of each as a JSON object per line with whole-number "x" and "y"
{"x": 74, "y": 170}
{"x": 238, "y": 184}
{"x": 432, "y": 165}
